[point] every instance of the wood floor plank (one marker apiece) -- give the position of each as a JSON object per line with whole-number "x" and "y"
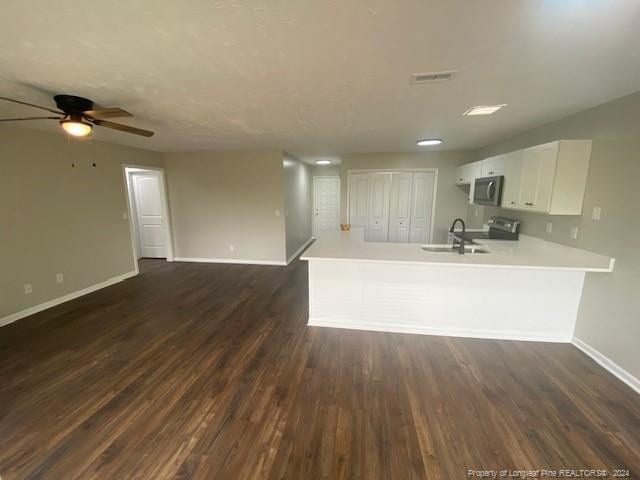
{"x": 192, "y": 371}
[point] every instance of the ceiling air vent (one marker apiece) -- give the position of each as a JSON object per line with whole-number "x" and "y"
{"x": 431, "y": 77}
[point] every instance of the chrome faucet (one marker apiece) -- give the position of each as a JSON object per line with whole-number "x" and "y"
{"x": 451, "y": 230}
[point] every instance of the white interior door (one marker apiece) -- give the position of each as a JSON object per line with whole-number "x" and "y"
{"x": 400, "y": 209}
{"x": 150, "y": 217}
{"x": 326, "y": 203}
{"x": 422, "y": 206}
{"x": 380, "y": 189}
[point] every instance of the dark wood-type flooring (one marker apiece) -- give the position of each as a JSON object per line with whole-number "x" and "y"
{"x": 209, "y": 371}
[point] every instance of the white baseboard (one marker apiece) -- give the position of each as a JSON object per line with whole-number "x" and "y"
{"x": 65, "y": 298}
{"x": 420, "y": 330}
{"x": 300, "y": 250}
{"x": 242, "y": 261}
{"x": 608, "y": 364}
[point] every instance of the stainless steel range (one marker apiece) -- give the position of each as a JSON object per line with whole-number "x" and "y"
{"x": 500, "y": 228}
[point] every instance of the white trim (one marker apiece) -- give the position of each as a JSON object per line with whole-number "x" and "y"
{"x": 414, "y": 329}
{"x": 313, "y": 203}
{"x": 398, "y": 170}
{"x": 608, "y": 364}
{"x": 242, "y": 261}
{"x": 165, "y": 207}
{"x": 298, "y": 251}
{"x": 65, "y": 298}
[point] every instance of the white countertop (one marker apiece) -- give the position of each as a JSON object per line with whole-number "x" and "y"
{"x": 527, "y": 252}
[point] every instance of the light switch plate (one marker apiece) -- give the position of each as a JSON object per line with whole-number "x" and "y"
{"x": 28, "y": 289}
{"x": 231, "y": 248}
{"x": 595, "y": 215}
{"x": 277, "y": 213}
{"x": 574, "y": 232}
{"x": 59, "y": 278}
{"x": 549, "y": 227}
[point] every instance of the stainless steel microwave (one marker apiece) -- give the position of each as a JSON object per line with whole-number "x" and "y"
{"x": 488, "y": 191}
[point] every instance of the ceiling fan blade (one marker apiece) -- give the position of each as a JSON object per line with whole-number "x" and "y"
{"x": 122, "y": 128}
{"x": 107, "y": 112}
{"x": 29, "y": 118}
{"x": 32, "y": 105}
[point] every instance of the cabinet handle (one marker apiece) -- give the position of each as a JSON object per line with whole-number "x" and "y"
{"x": 490, "y": 173}
{"x": 529, "y": 204}
{"x": 513, "y": 203}
{"x": 460, "y": 179}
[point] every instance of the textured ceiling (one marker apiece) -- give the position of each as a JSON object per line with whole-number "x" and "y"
{"x": 320, "y": 77}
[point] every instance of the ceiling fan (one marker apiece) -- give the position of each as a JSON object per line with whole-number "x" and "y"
{"x": 78, "y": 116}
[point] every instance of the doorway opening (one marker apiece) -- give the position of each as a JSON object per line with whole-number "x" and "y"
{"x": 148, "y": 212}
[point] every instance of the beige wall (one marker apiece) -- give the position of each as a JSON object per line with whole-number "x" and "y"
{"x": 55, "y": 218}
{"x": 218, "y": 199}
{"x": 326, "y": 170}
{"x": 609, "y": 317}
{"x": 451, "y": 201}
{"x": 297, "y": 196}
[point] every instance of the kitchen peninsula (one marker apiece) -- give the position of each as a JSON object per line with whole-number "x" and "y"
{"x": 525, "y": 290}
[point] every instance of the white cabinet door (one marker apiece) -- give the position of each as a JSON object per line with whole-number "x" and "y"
{"x": 359, "y": 200}
{"x": 462, "y": 175}
{"x": 379, "y": 192}
{"x": 400, "y": 209}
{"x": 512, "y": 180}
{"x": 494, "y": 166}
{"x": 466, "y": 174}
{"x": 538, "y": 172}
{"x": 421, "y": 206}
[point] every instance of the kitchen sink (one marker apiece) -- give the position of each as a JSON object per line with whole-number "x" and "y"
{"x": 468, "y": 249}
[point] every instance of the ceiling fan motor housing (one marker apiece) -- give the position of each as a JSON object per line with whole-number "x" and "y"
{"x": 72, "y": 104}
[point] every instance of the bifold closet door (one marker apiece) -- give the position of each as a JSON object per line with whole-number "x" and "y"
{"x": 400, "y": 208}
{"x": 421, "y": 206}
{"x": 379, "y": 191}
{"x": 359, "y": 200}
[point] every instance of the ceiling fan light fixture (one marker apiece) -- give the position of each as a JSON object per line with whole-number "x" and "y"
{"x": 76, "y": 127}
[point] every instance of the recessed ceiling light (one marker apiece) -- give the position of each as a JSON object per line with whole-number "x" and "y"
{"x": 428, "y": 141}
{"x": 323, "y": 162}
{"x": 483, "y": 110}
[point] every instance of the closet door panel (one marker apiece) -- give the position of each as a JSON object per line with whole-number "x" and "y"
{"x": 379, "y": 195}
{"x": 400, "y": 208}
{"x": 423, "y": 186}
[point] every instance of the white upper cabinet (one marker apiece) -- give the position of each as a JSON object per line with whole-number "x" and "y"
{"x": 537, "y": 177}
{"x": 512, "y": 180}
{"x": 466, "y": 174}
{"x": 494, "y": 166}
{"x": 549, "y": 178}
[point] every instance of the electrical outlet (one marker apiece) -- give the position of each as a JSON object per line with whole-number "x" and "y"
{"x": 549, "y": 227}
{"x": 231, "y": 248}
{"x": 59, "y": 278}
{"x": 28, "y": 289}
{"x": 125, "y": 216}
{"x": 477, "y": 211}
{"x": 574, "y": 232}
{"x": 595, "y": 215}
